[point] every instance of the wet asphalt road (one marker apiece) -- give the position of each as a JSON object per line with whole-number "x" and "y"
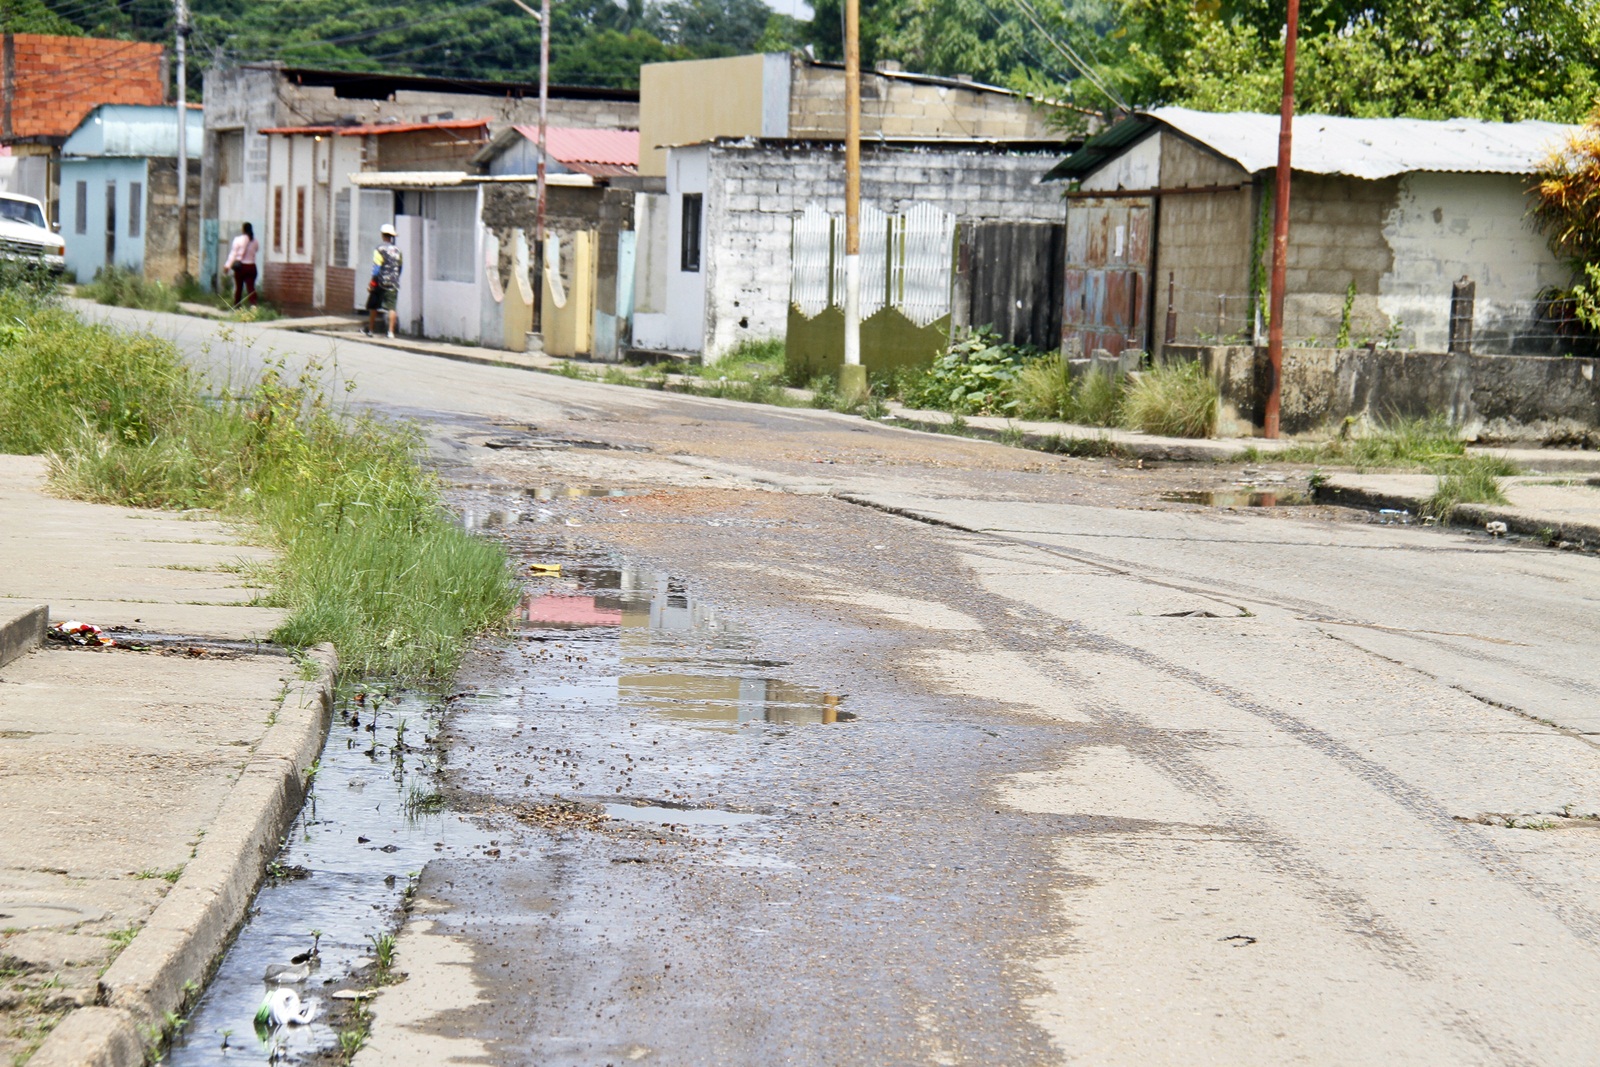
{"x": 1106, "y": 781}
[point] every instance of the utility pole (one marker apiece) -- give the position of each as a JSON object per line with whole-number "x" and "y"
{"x": 543, "y": 15}
{"x": 180, "y": 14}
{"x": 852, "y": 375}
{"x": 1280, "y": 228}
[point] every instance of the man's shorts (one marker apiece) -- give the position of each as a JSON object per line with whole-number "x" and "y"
{"x": 381, "y": 299}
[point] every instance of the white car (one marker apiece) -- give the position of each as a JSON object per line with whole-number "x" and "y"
{"x": 25, "y": 235}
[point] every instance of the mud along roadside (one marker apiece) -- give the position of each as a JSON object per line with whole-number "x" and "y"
{"x": 146, "y": 783}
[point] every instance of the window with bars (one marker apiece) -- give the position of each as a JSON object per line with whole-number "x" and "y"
{"x": 690, "y": 242}
{"x": 135, "y": 208}
{"x": 277, "y": 218}
{"x": 81, "y": 209}
{"x": 341, "y": 229}
{"x": 300, "y": 220}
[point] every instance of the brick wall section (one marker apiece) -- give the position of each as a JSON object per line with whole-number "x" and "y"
{"x": 341, "y": 287}
{"x": 288, "y": 285}
{"x": 755, "y": 192}
{"x": 59, "y": 80}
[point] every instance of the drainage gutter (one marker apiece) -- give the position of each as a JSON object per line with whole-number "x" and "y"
{"x": 163, "y": 968}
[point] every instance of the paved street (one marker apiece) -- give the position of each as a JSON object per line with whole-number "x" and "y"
{"x": 926, "y": 750}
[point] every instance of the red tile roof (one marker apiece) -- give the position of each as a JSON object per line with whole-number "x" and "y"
{"x": 619, "y": 148}
{"x": 383, "y": 127}
{"x": 59, "y": 80}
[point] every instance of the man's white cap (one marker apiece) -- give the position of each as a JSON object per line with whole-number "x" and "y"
{"x": 387, "y": 229}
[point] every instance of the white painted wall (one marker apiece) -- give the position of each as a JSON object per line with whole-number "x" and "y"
{"x": 686, "y": 290}
{"x": 1444, "y": 226}
{"x": 1137, "y": 168}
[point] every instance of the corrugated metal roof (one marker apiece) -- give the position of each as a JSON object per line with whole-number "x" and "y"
{"x": 572, "y": 145}
{"x": 1325, "y": 144}
{"x": 381, "y": 127}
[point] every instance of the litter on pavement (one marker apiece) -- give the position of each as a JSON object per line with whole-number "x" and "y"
{"x": 80, "y": 633}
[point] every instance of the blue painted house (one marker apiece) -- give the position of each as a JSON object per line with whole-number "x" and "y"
{"x": 119, "y": 191}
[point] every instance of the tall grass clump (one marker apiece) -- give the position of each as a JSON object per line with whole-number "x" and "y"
{"x": 1468, "y": 480}
{"x": 59, "y": 375}
{"x": 120, "y": 287}
{"x": 1045, "y": 389}
{"x": 369, "y": 557}
{"x": 1172, "y": 400}
{"x": 1399, "y": 444}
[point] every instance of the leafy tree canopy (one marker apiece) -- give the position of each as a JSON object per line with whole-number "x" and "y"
{"x": 593, "y": 42}
{"x": 1493, "y": 59}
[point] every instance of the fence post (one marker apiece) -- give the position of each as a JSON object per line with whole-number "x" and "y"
{"x": 1172, "y": 311}
{"x": 1463, "y": 295}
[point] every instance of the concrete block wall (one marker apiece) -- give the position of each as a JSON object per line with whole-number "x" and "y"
{"x": 903, "y": 107}
{"x": 1534, "y": 400}
{"x": 755, "y": 192}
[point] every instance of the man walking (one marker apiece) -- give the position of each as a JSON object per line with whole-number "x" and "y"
{"x": 383, "y": 291}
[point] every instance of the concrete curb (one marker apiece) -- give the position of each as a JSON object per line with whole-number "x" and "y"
{"x": 23, "y": 633}
{"x": 1466, "y": 514}
{"x": 193, "y": 924}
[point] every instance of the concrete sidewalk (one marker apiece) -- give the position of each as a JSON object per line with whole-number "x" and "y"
{"x": 142, "y": 791}
{"x": 1087, "y": 440}
{"x": 1552, "y": 509}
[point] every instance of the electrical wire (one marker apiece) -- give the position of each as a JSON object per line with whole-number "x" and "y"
{"x": 1087, "y": 70}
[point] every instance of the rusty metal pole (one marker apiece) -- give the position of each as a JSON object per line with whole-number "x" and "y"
{"x": 1280, "y": 228}
{"x": 180, "y": 11}
{"x": 852, "y": 375}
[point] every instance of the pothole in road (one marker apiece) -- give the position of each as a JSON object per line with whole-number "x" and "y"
{"x": 1239, "y": 498}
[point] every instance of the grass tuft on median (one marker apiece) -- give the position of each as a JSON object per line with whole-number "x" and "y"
{"x": 369, "y": 556}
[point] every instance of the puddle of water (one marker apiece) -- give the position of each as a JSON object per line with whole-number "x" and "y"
{"x": 660, "y": 815}
{"x": 371, "y": 823}
{"x": 1239, "y": 498}
{"x": 711, "y": 698}
{"x": 574, "y": 492}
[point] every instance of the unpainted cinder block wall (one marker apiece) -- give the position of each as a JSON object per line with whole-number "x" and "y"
{"x": 755, "y": 191}
{"x": 1543, "y": 400}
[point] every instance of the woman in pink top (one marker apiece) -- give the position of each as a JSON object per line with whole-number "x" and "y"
{"x": 242, "y": 261}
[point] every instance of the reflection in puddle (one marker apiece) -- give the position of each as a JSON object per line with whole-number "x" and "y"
{"x": 1239, "y": 498}
{"x": 642, "y": 608}
{"x": 709, "y": 698}
{"x": 665, "y": 816}
{"x": 574, "y": 492}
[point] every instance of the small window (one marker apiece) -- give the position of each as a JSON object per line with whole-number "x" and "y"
{"x": 341, "y": 229}
{"x": 691, "y": 231}
{"x": 81, "y": 209}
{"x": 135, "y": 207}
{"x": 277, "y": 218}
{"x": 300, "y": 220}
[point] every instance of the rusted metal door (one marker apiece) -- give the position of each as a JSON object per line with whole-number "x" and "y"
{"x": 1106, "y": 283}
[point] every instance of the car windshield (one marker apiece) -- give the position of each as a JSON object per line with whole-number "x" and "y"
{"x": 21, "y": 211}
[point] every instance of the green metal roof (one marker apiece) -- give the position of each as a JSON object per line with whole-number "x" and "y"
{"x": 1099, "y": 148}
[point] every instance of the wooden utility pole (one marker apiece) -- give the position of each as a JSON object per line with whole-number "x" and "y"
{"x": 180, "y": 12}
{"x": 852, "y": 375}
{"x": 543, "y": 15}
{"x": 1280, "y": 228}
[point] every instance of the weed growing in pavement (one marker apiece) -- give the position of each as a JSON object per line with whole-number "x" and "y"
{"x": 1081, "y": 447}
{"x": 418, "y": 803}
{"x": 1468, "y": 480}
{"x": 121, "y": 939}
{"x": 369, "y": 557}
{"x": 1172, "y": 400}
{"x": 1402, "y": 444}
{"x": 383, "y": 955}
